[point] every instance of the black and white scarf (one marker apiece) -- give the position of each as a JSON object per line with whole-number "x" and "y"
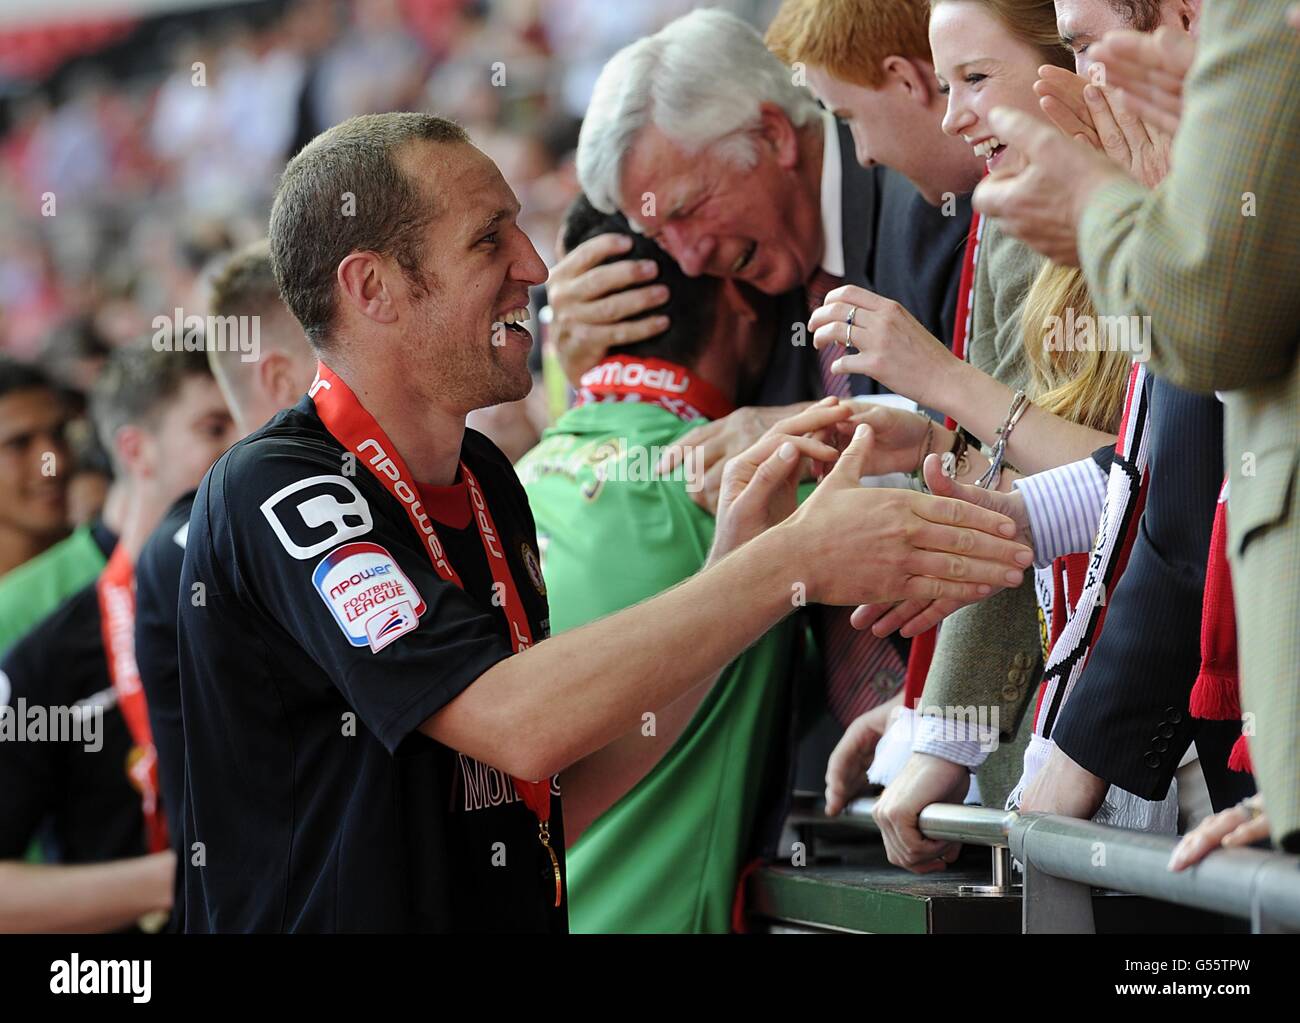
{"x": 1074, "y": 630}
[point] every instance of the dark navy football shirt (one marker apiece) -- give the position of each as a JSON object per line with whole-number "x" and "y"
{"x": 315, "y": 638}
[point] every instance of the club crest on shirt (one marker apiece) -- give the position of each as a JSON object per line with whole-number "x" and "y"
{"x": 534, "y": 567}
{"x": 369, "y": 595}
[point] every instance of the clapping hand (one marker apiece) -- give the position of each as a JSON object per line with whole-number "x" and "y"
{"x": 1092, "y": 113}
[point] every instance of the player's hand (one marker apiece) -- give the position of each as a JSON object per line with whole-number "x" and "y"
{"x": 923, "y": 780}
{"x": 707, "y": 448}
{"x": 899, "y": 438}
{"x": 846, "y": 771}
{"x": 593, "y": 306}
{"x": 912, "y": 617}
{"x": 853, "y": 544}
{"x": 758, "y": 486}
{"x": 892, "y": 347}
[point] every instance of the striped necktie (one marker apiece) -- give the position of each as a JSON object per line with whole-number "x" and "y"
{"x": 861, "y": 670}
{"x": 819, "y": 287}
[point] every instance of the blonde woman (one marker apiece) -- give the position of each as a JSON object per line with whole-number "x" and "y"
{"x": 987, "y": 54}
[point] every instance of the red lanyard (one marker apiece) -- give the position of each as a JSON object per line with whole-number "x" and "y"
{"x": 356, "y": 429}
{"x": 115, "y": 588}
{"x": 679, "y": 390}
{"x": 965, "y": 296}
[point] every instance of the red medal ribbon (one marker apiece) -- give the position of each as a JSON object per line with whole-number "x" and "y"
{"x": 965, "y": 319}
{"x": 356, "y": 429}
{"x": 115, "y": 589}
{"x": 674, "y": 387}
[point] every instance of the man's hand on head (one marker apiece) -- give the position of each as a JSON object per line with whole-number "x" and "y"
{"x": 593, "y": 303}
{"x": 1147, "y": 71}
{"x": 1043, "y": 203}
{"x": 924, "y": 779}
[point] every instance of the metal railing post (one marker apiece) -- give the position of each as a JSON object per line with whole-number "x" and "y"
{"x": 1049, "y": 904}
{"x": 1275, "y": 899}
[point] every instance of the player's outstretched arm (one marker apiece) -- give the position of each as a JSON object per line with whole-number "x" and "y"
{"x": 534, "y": 714}
{"x": 757, "y": 490}
{"x": 84, "y": 898}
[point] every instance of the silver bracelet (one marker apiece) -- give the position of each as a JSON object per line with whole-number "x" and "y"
{"x": 991, "y": 476}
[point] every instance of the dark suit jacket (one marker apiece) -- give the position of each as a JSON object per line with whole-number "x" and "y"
{"x": 899, "y": 246}
{"x": 895, "y": 244}
{"x": 1127, "y": 720}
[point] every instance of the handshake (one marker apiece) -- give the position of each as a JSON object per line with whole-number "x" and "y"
{"x": 928, "y": 554}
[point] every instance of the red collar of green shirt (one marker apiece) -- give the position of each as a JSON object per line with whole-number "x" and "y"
{"x": 658, "y": 381}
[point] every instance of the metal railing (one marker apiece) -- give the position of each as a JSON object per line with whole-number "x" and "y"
{"x": 1064, "y": 859}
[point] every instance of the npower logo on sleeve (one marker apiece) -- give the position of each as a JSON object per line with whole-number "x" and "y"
{"x": 75, "y": 976}
{"x": 371, "y": 598}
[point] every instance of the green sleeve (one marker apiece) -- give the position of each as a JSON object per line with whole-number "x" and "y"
{"x": 618, "y": 547}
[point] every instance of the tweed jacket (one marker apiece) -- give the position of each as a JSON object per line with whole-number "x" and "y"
{"x": 1211, "y": 256}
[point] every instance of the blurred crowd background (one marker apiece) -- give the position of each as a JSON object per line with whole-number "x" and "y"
{"x": 139, "y": 149}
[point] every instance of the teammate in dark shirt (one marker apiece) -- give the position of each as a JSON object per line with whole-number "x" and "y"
{"x": 94, "y": 814}
{"x": 372, "y": 718}
{"x": 157, "y": 591}
{"x": 163, "y": 418}
{"x": 255, "y": 390}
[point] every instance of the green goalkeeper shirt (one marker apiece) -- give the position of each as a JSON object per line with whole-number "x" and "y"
{"x": 666, "y": 856}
